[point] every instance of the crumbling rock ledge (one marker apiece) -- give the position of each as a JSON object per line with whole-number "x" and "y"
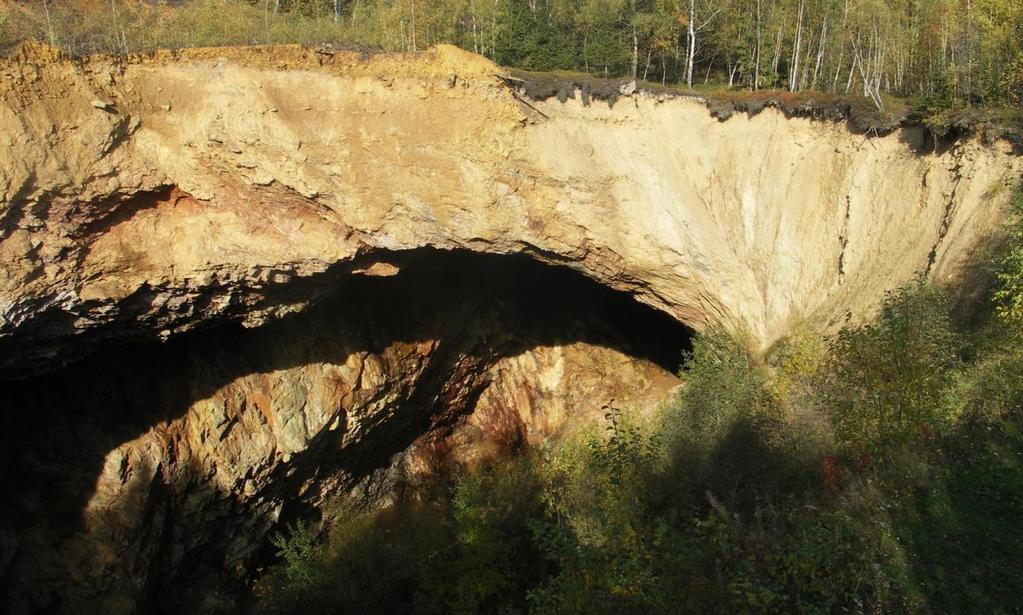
{"x": 860, "y": 114}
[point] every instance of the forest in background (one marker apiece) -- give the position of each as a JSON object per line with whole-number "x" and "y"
{"x": 943, "y": 52}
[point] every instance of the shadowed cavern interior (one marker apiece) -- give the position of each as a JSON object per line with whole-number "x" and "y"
{"x": 164, "y": 466}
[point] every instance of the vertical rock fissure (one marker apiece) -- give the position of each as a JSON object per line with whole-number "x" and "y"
{"x": 843, "y": 238}
{"x": 949, "y": 213}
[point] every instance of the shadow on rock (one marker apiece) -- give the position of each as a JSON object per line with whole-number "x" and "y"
{"x": 146, "y": 478}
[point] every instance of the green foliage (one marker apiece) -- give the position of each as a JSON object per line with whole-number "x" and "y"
{"x": 940, "y": 96}
{"x": 122, "y": 26}
{"x": 795, "y": 361}
{"x": 533, "y": 40}
{"x": 961, "y": 522}
{"x": 604, "y": 49}
{"x": 887, "y": 378}
{"x": 297, "y": 552}
{"x": 460, "y": 552}
{"x": 724, "y": 381}
{"x": 728, "y": 432}
{"x": 1012, "y": 80}
{"x": 1009, "y": 295}
{"x": 871, "y": 49}
{"x": 598, "y": 535}
{"x": 624, "y": 455}
{"x": 488, "y": 513}
{"x": 798, "y": 557}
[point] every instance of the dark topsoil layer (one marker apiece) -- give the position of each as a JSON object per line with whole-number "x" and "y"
{"x": 862, "y": 115}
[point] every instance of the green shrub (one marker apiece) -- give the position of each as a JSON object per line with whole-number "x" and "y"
{"x": 596, "y": 532}
{"x": 1009, "y": 295}
{"x": 736, "y": 429}
{"x": 886, "y": 379}
{"x": 795, "y": 362}
{"x": 725, "y": 388}
{"x": 963, "y": 526}
{"x": 489, "y": 513}
{"x": 297, "y": 552}
{"x": 1012, "y": 80}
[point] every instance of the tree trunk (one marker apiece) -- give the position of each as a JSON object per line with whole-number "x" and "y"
{"x": 49, "y": 24}
{"x": 691, "y": 56}
{"x": 414, "y": 49}
{"x": 794, "y": 69}
{"x": 820, "y": 52}
{"x": 777, "y": 54}
{"x": 838, "y": 68}
{"x": 852, "y": 69}
{"x": 475, "y": 36}
{"x": 586, "y": 59}
{"x": 635, "y": 52}
{"x": 756, "y": 61}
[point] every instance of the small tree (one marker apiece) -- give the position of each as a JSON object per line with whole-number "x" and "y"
{"x": 887, "y": 378}
{"x": 297, "y": 550}
{"x": 1009, "y": 295}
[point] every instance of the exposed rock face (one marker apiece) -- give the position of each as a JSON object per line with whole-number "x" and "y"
{"x": 216, "y": 177}
{"x": 315, "y": 199}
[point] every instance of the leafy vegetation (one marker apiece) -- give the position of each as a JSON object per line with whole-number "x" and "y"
{"x": 1010, "y": 270}
{"x": 878, "y": 471}
{"x": 896, "y": 369}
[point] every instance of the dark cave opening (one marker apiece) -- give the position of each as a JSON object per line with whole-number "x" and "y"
{"x": 543, "y": 298}
{"x": 59, "y": 428}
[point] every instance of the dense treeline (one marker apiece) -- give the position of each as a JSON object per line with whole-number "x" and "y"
{"x": 880, "y": 470}
{"x": 945, "y": 51}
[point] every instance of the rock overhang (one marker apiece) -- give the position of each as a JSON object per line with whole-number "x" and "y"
{"x": 217, "y": 181}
